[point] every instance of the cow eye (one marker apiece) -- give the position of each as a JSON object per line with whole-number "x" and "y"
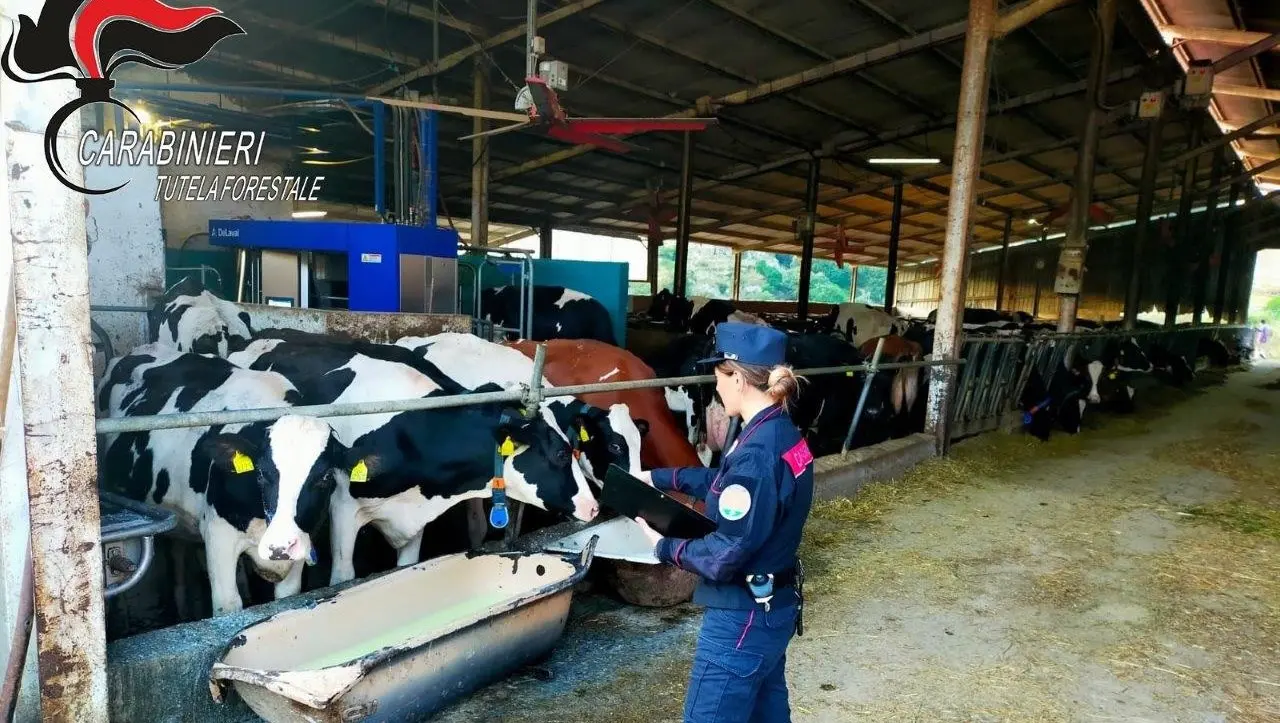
{"x": 615, "y": 448}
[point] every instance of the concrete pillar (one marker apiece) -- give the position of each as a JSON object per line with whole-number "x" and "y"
{"x": 807, "y": 236}
{"x": 1070, "y": 277}
{"x": 1141, "y": 232}
{"x": 480, "y": 155}
{"x": 46, "y": 223}
{"x": 966, "y": 161}
{"x": 683, "y": 216}
{"x": 895, "y": 237}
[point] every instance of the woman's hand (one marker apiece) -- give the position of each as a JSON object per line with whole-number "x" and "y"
{"x": 653, "y": 535}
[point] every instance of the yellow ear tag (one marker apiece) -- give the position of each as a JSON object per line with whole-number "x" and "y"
{"x": 582, "y": 434}
{"x": 1112, "y": 376}
{"x": 508, "y": 448}
{"x": 241, "y": 462}
{"x": 360, "y": 472}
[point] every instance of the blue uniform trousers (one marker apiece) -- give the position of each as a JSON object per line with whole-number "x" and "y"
{"x": 738, "y": 668}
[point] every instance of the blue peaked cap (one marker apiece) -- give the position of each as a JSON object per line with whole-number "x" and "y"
{"x": 748, "y": 344}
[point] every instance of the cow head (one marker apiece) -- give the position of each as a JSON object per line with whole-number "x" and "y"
{"x": 542, "y": 471}
{"x": 660, "y": 306}
{"x": 294, "y": 473}
{"x": 1127, "y": 356}
{"x": 601, "y": 438}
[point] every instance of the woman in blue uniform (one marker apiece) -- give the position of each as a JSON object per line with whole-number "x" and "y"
{"x": 759, "y": 497}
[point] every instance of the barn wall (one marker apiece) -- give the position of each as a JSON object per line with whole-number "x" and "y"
{"x": 126, "y": 249}
{"x": 1105, "y": 279}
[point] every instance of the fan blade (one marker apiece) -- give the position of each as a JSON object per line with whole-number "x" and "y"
{"x": 572, "y": 135}
{"x": 627, "y": 126}
{"x": 498, "y": 131}
{"x": 456, "y": 109}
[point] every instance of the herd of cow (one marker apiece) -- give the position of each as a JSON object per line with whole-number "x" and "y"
{"x": 272, "y": 492}
{"x": 679, "y": 330}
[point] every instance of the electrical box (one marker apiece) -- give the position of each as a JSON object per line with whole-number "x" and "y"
{"x": 539, "y": 45}
{"x": 1196, "y": 87}
{"x": 556, "y": 73}
{"x": 1151, "y": 104}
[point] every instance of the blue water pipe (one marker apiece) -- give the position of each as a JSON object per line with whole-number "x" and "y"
{"x": 427, "y": 132}
{"x": 379, "y": 160}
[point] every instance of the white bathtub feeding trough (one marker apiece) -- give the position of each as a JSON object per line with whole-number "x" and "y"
{"x": 402, "y": 646}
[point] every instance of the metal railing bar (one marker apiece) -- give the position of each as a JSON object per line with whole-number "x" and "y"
{"x": 107, "y": 308}
{"x": 529, "y": 396}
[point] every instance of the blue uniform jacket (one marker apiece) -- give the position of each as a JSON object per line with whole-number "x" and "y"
{"x": 772, "y": 463}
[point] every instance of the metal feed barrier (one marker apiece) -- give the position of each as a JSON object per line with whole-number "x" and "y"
{"x": 998, "y": 368}
{"x": 531, "y": 396}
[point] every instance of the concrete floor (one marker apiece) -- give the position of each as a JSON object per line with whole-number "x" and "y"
{"x": 1131, "y": 573}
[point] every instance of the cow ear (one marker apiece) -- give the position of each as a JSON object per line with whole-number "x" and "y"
{"x": 232, "y": 453}
{"x": 643, "y": 426}
{"x": 364, "y": 467}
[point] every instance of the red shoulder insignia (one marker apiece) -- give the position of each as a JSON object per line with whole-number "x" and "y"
{"x": 798, "y": 457}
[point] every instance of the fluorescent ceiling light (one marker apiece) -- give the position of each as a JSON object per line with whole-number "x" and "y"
{"x": 906, "y": 161}
{"x": 310, "y": 214}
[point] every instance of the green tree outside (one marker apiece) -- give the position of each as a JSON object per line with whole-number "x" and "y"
{"x": 765, "y": 276}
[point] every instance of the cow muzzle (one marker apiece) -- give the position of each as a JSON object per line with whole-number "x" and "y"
{"x": 585, "y": 507}
{"x": 285, "y": 548}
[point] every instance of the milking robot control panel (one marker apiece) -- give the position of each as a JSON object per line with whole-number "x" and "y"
{"x": 350, "y": 265}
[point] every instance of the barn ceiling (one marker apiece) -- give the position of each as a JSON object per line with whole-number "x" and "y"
{"x": 850, "y": 79}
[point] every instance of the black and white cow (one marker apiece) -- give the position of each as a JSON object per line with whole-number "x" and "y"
{"x": 1168, "y": 366}
{"x": 259, "y": 489}
{"x": 859, "y": 322}
{"x": 558, "y": 313}
{"x": 1214, "y": 352}
{"x": 199, "y": 322}
{"x": 670, "y": 310}
{"x": 406, "y": 469}
{"x": 612, "y": 436}
{"x": 1061, "y": 402}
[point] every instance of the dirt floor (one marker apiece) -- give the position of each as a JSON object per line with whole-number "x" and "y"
{"x": 1131, "y": 573}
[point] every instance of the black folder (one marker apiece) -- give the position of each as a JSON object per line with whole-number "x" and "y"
{"x": 631, "y": 498}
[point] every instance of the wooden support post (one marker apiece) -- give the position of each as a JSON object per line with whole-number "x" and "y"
{"x": 966, "y": 161}
{"x": 1230, "y": 240}
{"x": 807, "y": 236}
{"x": 683, "y": 217}
{"x": 737, "y": 274}
{"x": 1177, "y": 260}
{"x": 653, "y": 247}
{"x": 1202, "y": 247}
{"x": 1004, "y": 262}
{"x": 545, "y": 246}
{"x": 1146, "y": 200}
{"x": 51, "y": 288}
{"x": 895, "y": 238}
{"x": 480, "y": 155}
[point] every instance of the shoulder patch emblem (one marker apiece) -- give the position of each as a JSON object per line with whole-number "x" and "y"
{"x": 735, "y": 503}
{"x": 798, "y": 457}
